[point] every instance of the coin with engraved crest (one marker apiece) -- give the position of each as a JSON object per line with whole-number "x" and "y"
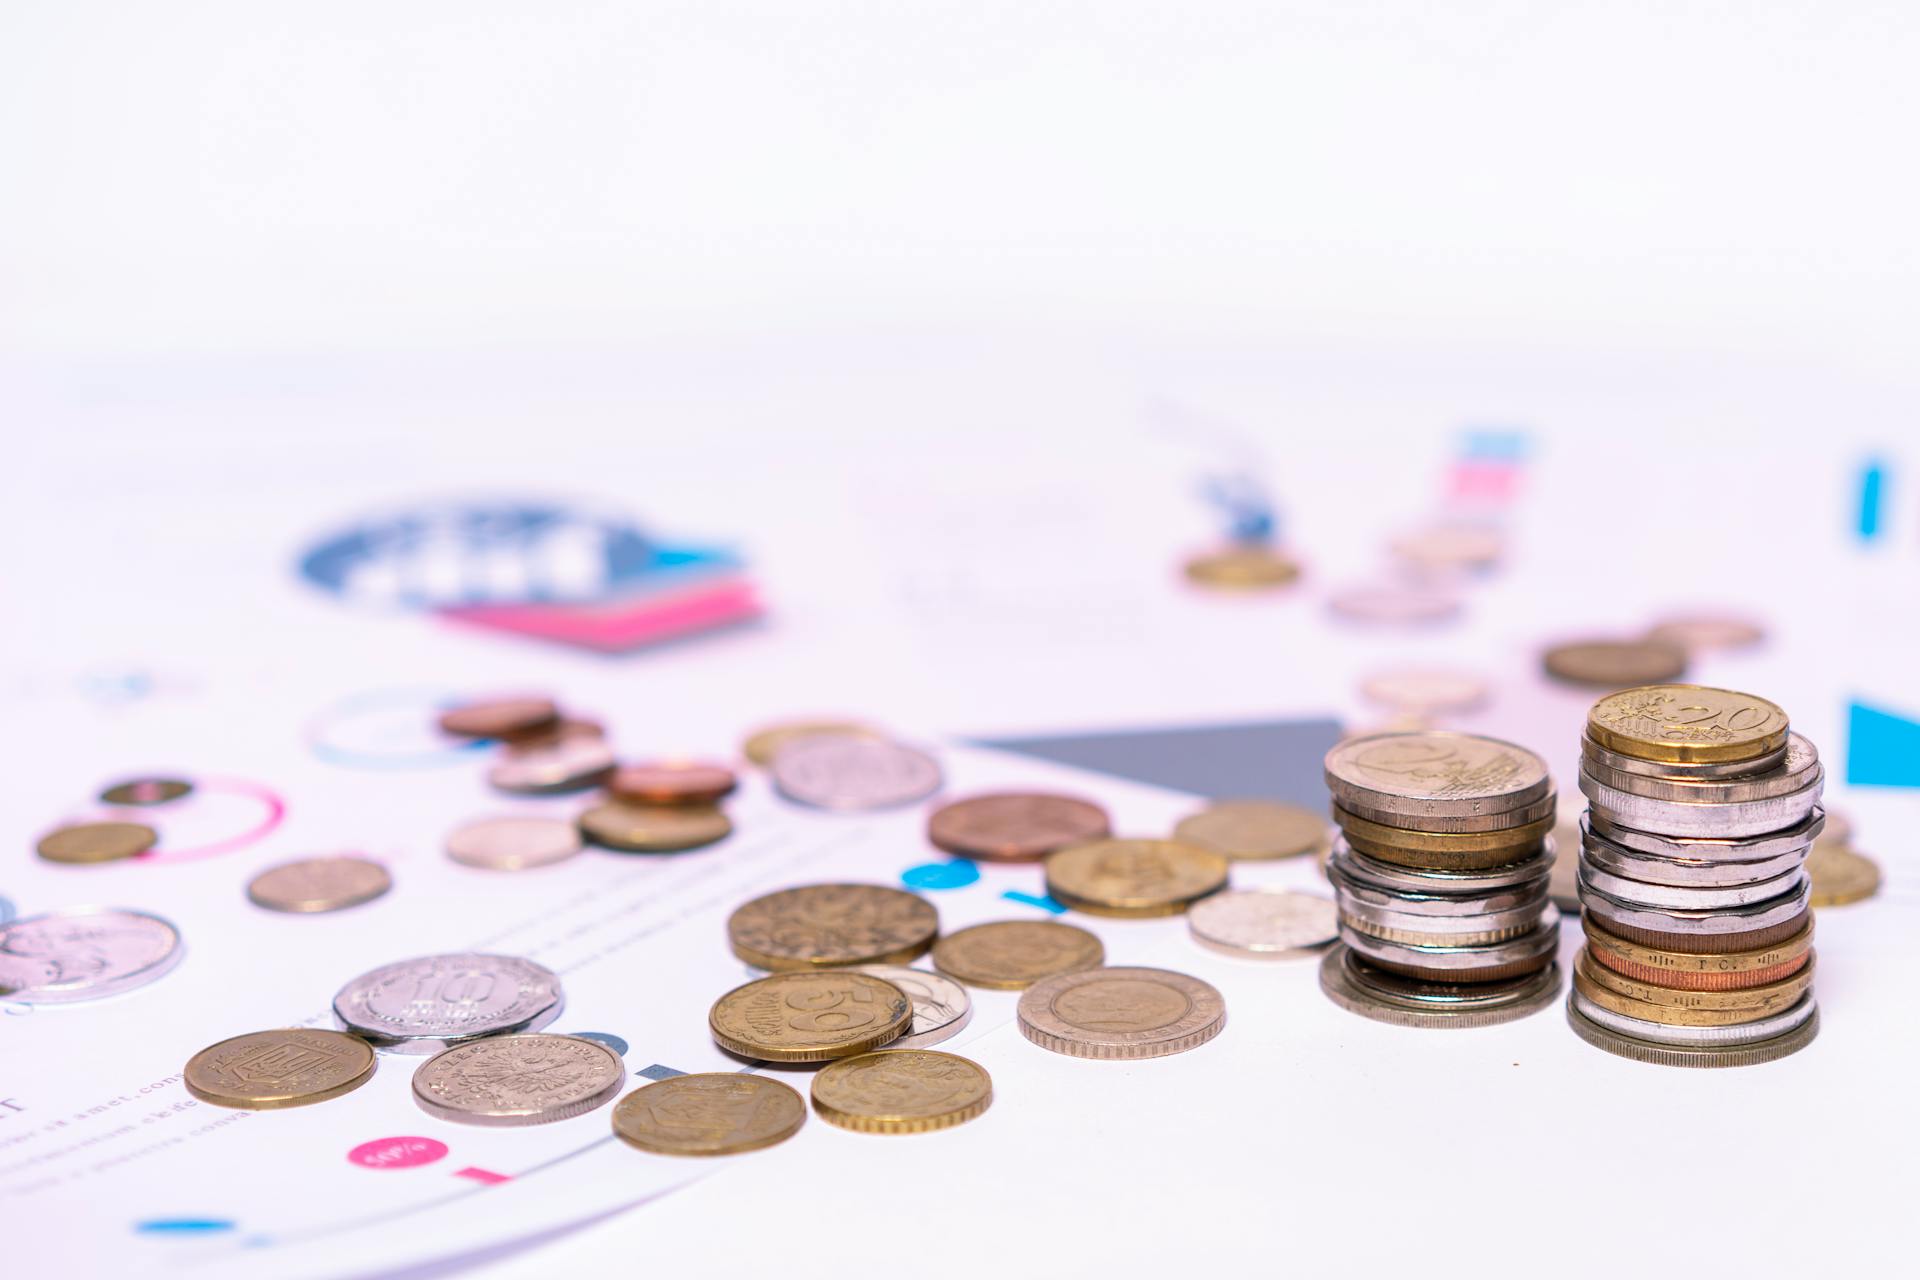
{"x": 809, "y": 1017}
{"x": 1014, "y": 826}
{"x": 1434, "y": 774}
{"x": 1687, "y": 724}
{"x": 424, "y": 1004}
{"x": 853, "y": 774}
{"x": 1134, "y": 877}
{"x": 941, "y": 1007}
{"x": 311, "y": 885}
{"x": 289, "y": 1067}
{"x": 822, "y": 925}
{"x": 1011, "y": 955}
{"x": 1123, "y": 1013}
{"x": 1264, "y": 923}
{"x": 714, "y": 1113}
{"x": 902, "y": 1091}
{"x": 84, "y": 953}
{"x": 518, "y": 1080}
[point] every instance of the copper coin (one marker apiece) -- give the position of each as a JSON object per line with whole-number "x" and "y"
{"x": 1615, "y": 664}
{"x": 145, "y": 791}
{"x": 97, "y": 842}
{"x": 635, "y": 828}
{"x": 313, "y": 885}
{"x": 509, "y": 843}
{"x": 566, "y": 728}
{"x": 499, "y": 717}
{"x": 764, "y": 743}
{"x": 1015, "y": 826}
{"x": 1698, "y": 979}
{"x": 671, "y": 782}
{"x": 1711, "y": 943}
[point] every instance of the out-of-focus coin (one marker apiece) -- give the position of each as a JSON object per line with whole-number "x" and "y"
{"x": 1838, "y": 827}
{"x": 97, "y": 842}
{"x": 424, "y": 1004}
{"x": 518, "y": 1080}
{"x": 763, "y": 744}
{"x": 838, "y": 771}
{"x": 1695, "y": 632}
{"x": 1264, "y": 923}
{"x": 713, "y": 1113}
{"x": 672, "y": 782}
{"x": 1011, "y": 955}
{"x": 810, "y": 1017}
{"x": 84, "y": 953}
{"x": 1254, "y": 830}
{"x": 319, "y": 884}
{"x": 1393, "y": 605}
{"x": 1134, "y": 877}
{"x": 552, "y": 767}
{"x": 828, "y": 925}
{"x": 1246, "y": 566}
{"x": 499, "y": 717}
{"x": 1425, "y": 691}
{"x": 1840, "y": 875}
{"x": 1432, "y": 774}
{"x": 941, "y": 1007}
{"x": 654, "y": 828}
{"x": 1687, "y": 724}
{"x": 1451, "y": 546}
{"x": 1614, "y": 664}
{"x": 289, "y": 1067}
{"x": 1121, "y": 1013}
{"x": 146, "y": 791}
{"x": 565, "y": 729}
{"x": 1015, "y": 826}
{"x": 902, "y": 1091}
{"x": 509, "y": 843}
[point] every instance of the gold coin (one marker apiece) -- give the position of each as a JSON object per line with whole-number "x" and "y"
{"x": 1614, "y": 664}
{"x": 1771, "y": 997}
{"x": 1134, "y": 877}
{"x": 902, "y": 1091}
{"x": 653, "y": 828}
{"x": 97, "y": 842}
{"x": 1253, "y": 830}
{"x": 1250, "y": 566}
{"x": 1012, "y": 955}
{"x": 1665, "y": 1014}
{"x": 714, "y": 1113}
{"x": 146, "y": 791}
{"x": 809, "y": 1017}
{"x": 1121, "y": 1013}
{"x": 312, "y": 885}
{"x": 1687, "y": 724}
{"x": 1441, "y": 850}
{"x": 292, "y": 1067}
{"x": 763, "y": 744}
{"x": 1840, "y": 875}
{"x": 823, "y": 925}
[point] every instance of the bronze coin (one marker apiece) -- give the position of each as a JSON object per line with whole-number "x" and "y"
{"x": 1015, "y": 826}
{"x": 145, "y": 791}
{"x": 499, "y": 717}
{"x": 671, "y": 782}
{"x": 634, "y": 828}
{"x": 1615, "y": 664}
{"x": 97, "y": 842}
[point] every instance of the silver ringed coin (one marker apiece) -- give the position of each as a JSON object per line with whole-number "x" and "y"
{"x": 1738, "y": 1033}
{"x": 424, "y": 1004}
{"x": 515, "y": 1080}
{"x": 1264, "y": 924}
{"x": 840, "y": 771}
{"x": 941, "y": 1007}
{"x": 84, "y": 953}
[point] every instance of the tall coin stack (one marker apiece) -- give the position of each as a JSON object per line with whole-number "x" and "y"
{"x": 1702, "y": 807}
{"x": 1440, "y": 876}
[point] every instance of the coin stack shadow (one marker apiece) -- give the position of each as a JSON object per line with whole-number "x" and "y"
{"x": 1444, "y": 914}
{"x": 1693, "y": 888}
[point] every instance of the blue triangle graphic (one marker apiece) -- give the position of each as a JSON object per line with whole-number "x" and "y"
{"x": 1883, "y": 749}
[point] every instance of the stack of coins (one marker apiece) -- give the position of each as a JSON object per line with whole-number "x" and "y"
{"x": 1440, "y": 876}
{"x": 1702, "y": 807}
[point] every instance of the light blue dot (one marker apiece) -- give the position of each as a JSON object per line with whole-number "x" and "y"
{"x": 940, "y": 875}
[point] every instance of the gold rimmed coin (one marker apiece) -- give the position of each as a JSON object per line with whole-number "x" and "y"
{"x": 1245, "y": 566}
{"x": 1721, "y": 971}
{"x": 290, "y": 1067}
{"x": 820, "y": 926}
{"x": 1011, "y": 955}
{"x": 1125, "y": 1013}
{"x": 902, "y": 1091}
{"x": 1771, "y": 997}
{"x": 1134, "y": 877}
{"x": 314, "y": 885}
{"x": 97, "y": 842}
{"x": 764, "y": 743}
{"x": 713, "y": 1113}
{"x": 1015, "y": 826}
{"x": 1687, "y": 724}
{"x": 809, "y": 1017}
{"x": 1840, "y": 875}
{"x": 634, "y": 828}
{"x": 1254, "y": 830}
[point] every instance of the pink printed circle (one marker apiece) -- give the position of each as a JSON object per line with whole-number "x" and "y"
{"x": 397, "y": 1153}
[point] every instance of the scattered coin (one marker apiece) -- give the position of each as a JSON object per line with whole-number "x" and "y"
{"x": 1011, "y": 955}
{"x": 714, "y": 1113}
{"x": 1451, "y": 547}
{"x": 84, "y": 953}
{"x": 552, "y": 766}
{"x": 1614, "y": 664}
{"x": 1840, "y": 875}
{"x": 1134, "y": 877}
{"x": 499, "y": 717}
{"x": 902, "y": 1091}
{"x": 853, "y": 774}
{"x": 509, "y": 843}
{"x": 1247, "y": 566}
{"x": 146, "y": 791}
{"x": 654, "y": 828}
{"x": 312, "y": 885}
{"x": 1687, "y": 724}
{"x": 762, "y": 745}
{"x": 97, "y": 842}
{"x": 290, "y": 1067}
{"x": 1253, "y": 830}
{"x": 518, "y": 1080}
{"x": 424, "y": 1004}
{"x": 941, "y": 1006}
{"x": 1264, "y": 923}
{"x": 1425, "y": 691}
{"x": 1015, "y": 826}
{"x": 810, "y": 1017}
{"x": 1395, "y": 605}
{"x": 672, "y": 782}
{"x": 1121, "y": 1013}
{"x": 1702, "y": 631}
{"x": 823, "y": 925}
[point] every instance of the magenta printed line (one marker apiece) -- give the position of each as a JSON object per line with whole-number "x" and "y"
{"x": 275, "y": 811}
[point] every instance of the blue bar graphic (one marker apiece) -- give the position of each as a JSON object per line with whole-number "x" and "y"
{"x": 1872, "y": 480}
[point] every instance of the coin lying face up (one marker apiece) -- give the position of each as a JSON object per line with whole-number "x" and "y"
{"x": 500, "y": 717}
{"x": 290, "y": 1067}
{"x": 518, "y": 1080}
{"x": 512, "y": 843}
{"x": 1012, "y": 955}
{"x": 312, "y": 885}
{"x": 810, "y": 1017}
{"x": 146, "y": 791}
{"x": 764, "y": 743}
{"x": 1014, "y": 826}
{"x": 657, "y": 828}
{"x": 1264, "y": 923}
{"x": 838, "y": 771}
{"x": 941, "y": 1006}
{"x": 553, "y": 765}
{"x": 672, "y": 782}
{"x": 714, "y": 1113}
{"x": 822, "y": 925}
{"x": 427, "y": 1003}
{"x": 1254, "y": 830}
{"x": 1134, "y": 877}
{"x": 902, "y": 1091}
{"x": 84, "y": 953}
{"x": 97, "y": 842}
{"x": 1121, "y": 1013}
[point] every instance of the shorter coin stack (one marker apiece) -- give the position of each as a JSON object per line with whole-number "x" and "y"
{"x": 1702, "y": 807}
{"x": 1440, "y": 875}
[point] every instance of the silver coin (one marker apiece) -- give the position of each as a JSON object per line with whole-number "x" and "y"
{"x": 1526, "y": 896}
{"x": 1438, "y": 824}
{"x": 1447, "y": 930}
{"x": 941, "y": 1007}
{"x": 1653, "y": 868}
{"x": 84, "y": 953}
{"x": 1719, "y": 769}
{"x": 1387, "y": 875}
{"x": 1712, "y": 848}
{"x": 427, "y": 1003}
{"x": 510, "y": 843}
{"x": 1611, "y": 912}
{"x": 1409, "y": 1002}
{"x": 567, "y": 763}
{"x": 840, "y": 771}
{"x": 1465, "y": 959}
{"x": 1435, "y": 775}
{"x": 1778, "y": 1024}
{"x": 1681, "y": 818}
{"x": 1670, "y": 1055}
{"x": 1689, "y": 897}
{"x": 516, "y": 1080}
{"x": 1263, "y": 923}
{"x": 1798, "y": 769}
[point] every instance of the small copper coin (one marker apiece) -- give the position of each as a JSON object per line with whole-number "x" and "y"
{"x": 1254, "y": 830}
{"x": 313, "y": 885}
{"x": 1251, "y": 566}
{"x": 1840, "y": 875}
{"x": 499, "y": 717}
{"x": 1615, "y": 664}
{"x": 671, "y": 782}
{"x": 513, "y": 843}
{"x": 636, "y": 828}
{"x": 713, "y": 1113}
{"x": 146, "y": 791}
{"x": 1015, "y": 826}
{"x": 97, "y": 842}
{"x": 1012, "y": 955}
